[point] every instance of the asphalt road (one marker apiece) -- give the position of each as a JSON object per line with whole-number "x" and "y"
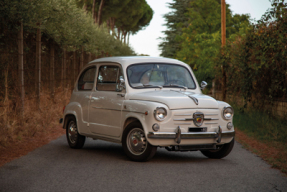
{"x": 102, "y": 166}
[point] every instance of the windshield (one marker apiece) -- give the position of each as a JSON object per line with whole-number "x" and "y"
{"x": 159, "y": 75}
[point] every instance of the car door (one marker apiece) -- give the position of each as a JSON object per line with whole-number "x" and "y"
{"x": 82, "y": 95}
{"x": 105, "y": 108}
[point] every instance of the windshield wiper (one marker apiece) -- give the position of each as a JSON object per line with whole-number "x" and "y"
{"x": 176, "y": 85}
{"x": 148, "y": 85}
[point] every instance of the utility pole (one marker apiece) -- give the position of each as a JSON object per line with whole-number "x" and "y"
{"x": 223, "y": 43}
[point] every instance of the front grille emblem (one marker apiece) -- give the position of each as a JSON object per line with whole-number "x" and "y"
{"x": 198, "y": 118}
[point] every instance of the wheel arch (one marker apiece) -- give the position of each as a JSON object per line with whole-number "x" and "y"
{"x": 128, "y": 121}
{"x": 67, "y": 117}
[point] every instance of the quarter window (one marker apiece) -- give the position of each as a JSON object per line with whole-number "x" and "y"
{"x": 86, "y": 80}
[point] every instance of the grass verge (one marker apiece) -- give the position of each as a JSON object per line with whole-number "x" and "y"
{"x": 264, "y": 135}
{"x": 20, "y": 135}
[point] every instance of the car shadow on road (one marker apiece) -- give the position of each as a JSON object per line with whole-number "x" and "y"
{"x": 112, "y": 151}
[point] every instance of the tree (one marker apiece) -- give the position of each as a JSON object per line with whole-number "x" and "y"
{"x": 200, "y": 40}
{"x": 127, "y": 16}
{"x": 175, "y": 21}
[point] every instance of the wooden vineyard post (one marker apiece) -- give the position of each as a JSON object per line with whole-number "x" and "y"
{"x": 38, "y": 66}
{"x": 52, "y": 70}
{"x": 64, "y": 69}
{"x": 21, "y": 69}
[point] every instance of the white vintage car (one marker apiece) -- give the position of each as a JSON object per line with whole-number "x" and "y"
{"x": 144, "y": 103}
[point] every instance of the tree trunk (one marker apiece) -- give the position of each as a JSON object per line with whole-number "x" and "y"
{"x": 125, "y": 35}
{"x": 93, "y": 10}
{"x": 129, "y": 38}
{"x": 119, "y": 31}
{"x": 100, "y": 12}
{"x": 21, "y": 69}
{"x": 112, "y": 25}
{"x": 85, "y": 7}
{"x": 38, "y": 66}
{"x": 52, "y": 70}
{"x": 109, "y": 24}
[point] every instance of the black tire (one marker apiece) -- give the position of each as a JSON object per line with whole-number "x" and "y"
{"x": 135, "y": 145}
{"x": 223, "y": 151}
{"x": 75, "y": 140}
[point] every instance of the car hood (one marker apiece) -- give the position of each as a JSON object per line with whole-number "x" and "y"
{"x": 177, "y": 99}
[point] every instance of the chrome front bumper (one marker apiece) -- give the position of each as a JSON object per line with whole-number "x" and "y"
{"x": 197, "y": 135}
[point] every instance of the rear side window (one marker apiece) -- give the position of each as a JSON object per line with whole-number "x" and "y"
{"x": 86, "y": 80}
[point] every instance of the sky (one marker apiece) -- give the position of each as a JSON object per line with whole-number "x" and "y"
{"x": 146, "y": 41}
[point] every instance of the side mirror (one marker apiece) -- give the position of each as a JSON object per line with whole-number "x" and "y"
{"x": 203, "y": 85}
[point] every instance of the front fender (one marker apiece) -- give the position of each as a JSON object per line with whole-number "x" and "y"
{"x": 143, "y": 112}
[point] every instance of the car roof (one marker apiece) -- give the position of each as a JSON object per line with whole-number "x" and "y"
{"x": 128, "y": 60}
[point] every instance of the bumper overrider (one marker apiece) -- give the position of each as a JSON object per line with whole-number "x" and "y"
{"x": 177, "y": 135}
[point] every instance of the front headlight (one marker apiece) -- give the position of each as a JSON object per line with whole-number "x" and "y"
{"x": 227, "y": 113}
{"x": 160, "y": 113}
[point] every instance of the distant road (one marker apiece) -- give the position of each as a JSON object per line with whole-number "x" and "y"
{"x": 102, "y": 166}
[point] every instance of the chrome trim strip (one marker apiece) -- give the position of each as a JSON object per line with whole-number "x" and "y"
{"x": 182, "y": 123}
{"x": 134, "y": 111}
{"x": 118, "y": 110}
{"x": 182, "y": 115}
{"x": 184, "y": 119}
{"x": 209, "y": 119}
{"x": 106, "y": 109}
{"x": 210, "y": 123}
{"x": 191, "y": 119}
{"x": 197, "y": 135}
{"x": 210, "y": 114}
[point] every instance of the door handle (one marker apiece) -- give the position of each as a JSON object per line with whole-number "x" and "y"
{"x": 122, "y": 95}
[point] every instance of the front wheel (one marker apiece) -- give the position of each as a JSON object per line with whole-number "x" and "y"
{"x": 221, "y": 152}
{"x": 135, "y": 145}
{"x": 75, "y": 140}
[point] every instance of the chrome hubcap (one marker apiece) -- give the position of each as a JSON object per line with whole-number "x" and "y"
{"x": 72, "y": 132}
{"x": 136, "y": 141}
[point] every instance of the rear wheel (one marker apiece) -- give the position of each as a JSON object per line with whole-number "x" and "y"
{"x": 221, "y": 152}
{"x": 135, "y": 145}
{"x": 75, "y": 140}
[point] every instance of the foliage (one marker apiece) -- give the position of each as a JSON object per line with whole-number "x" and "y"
{"x": 259, "y": 59}
{"x": 200, "y": 40}
{"x": 128, "y": 16}
{"x": 175, "y": 21}
{"x": 135, "y": 16}
{"x": 62, "y": 21}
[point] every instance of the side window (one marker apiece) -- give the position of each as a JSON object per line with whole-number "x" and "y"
{"x": 108, "y": 78}
{"x": 86, "y": 80}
